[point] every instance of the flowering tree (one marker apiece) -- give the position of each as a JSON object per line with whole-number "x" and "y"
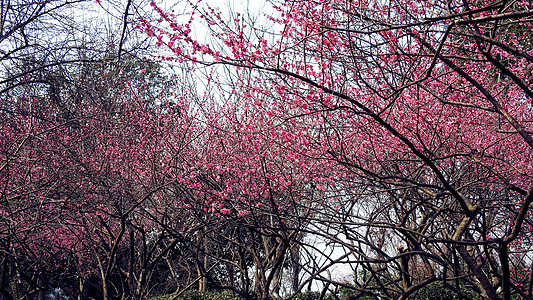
{"x": 426, "y": 110}
{"x": 74, "y": 193}
{"x": 371, "y": 148}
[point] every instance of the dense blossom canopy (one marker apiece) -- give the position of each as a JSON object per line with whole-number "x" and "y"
{"x": 392, "y": 139}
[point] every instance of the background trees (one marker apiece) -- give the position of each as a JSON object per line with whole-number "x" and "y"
{"x": 74, "y": 104}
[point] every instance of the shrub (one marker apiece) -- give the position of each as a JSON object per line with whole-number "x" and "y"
{"x": 435, "y": 291}
{"x": 196, "y": 295}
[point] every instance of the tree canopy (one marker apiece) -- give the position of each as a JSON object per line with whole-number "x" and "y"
{"x": 324, "y": 149}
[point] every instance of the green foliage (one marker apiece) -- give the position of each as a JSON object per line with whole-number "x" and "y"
{"x": 352, "y": 293}
{"x": 309, "y": 295}
{"x": 439, "y": 292}
{"x": 196, "y": 295}
{"x": 162, "y": 297}
{"x": 435, "y": 291}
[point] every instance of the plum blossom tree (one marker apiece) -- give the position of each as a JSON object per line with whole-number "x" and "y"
{"x": 425, "y": 109}
{"x": 74, "y": 195}
{"x": 387, "y": 139}
{"x": 74, "y": 99}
